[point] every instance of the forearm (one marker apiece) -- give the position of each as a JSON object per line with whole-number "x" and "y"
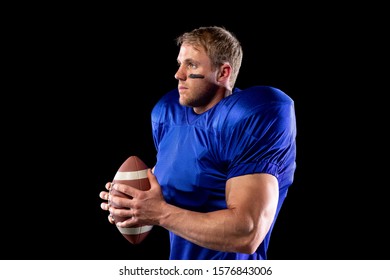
{"x": 224, "y": 230}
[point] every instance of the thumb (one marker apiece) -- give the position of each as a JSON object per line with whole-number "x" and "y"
{"x": 152, "y": 178}
{"x": 154, "y": 184}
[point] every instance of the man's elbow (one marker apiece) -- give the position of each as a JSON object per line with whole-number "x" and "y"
{"x": 249, "y": 242}
{"x": 249, "y": 245}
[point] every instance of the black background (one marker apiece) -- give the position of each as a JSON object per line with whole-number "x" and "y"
{"x": 83, "y": 80}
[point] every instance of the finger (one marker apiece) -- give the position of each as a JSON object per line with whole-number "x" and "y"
{"x": 103, "y": 195}
{"x": 121, "y": 212}
{"x": 111, "y": 219}
{"x": 126, "y": 189}
{"x": 105, "y": 206}
{"x": 108, "y": 185}
{"x": 128, "y": 222}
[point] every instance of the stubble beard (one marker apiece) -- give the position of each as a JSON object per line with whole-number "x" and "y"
{"x": 201, "y": 99}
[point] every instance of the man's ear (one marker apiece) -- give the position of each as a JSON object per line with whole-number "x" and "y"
{"x": 224, "y": 73}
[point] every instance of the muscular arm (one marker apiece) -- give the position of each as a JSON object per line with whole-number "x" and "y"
{"x": 251, "y": 206}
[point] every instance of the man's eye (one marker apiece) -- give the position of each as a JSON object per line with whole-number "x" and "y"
{"x": 191, "y": 66}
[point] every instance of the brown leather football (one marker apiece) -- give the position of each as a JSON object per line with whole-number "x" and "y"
{"x": 133, "y": 172}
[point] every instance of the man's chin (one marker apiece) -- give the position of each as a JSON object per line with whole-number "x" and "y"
{"x": 183, "y": 101}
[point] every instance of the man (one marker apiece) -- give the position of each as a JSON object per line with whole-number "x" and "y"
{"x": 225, "y": 156}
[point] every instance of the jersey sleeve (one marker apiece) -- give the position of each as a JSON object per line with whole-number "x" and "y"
{"x": 260, "y": 134}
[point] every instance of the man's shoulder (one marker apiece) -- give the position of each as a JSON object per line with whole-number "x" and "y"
{"x": 169, "y": 97}
{"x": 254, "y": 104}
{"x": 166, "y": 103}
{"x": 261, "y": 95}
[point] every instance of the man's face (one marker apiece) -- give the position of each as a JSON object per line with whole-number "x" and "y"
{"x": 197, "y": 80}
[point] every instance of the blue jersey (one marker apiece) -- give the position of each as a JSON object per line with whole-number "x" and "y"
{"x": 250, "y": 131}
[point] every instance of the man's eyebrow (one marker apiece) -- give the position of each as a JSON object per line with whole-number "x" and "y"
{"x": 187, "y": 61}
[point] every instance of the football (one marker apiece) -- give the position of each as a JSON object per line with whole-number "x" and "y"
{"x": 132, "y": 172}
